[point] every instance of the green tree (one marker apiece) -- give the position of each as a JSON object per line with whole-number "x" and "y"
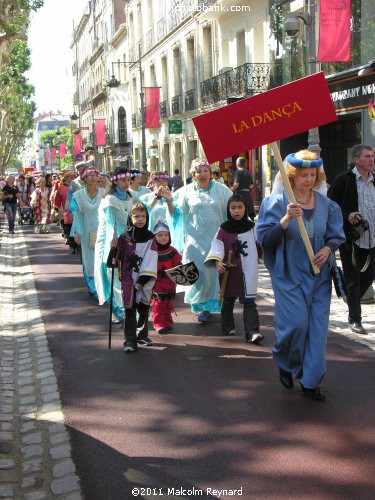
{"x": 51, "y": 139}
{"x": 17, "y": 106}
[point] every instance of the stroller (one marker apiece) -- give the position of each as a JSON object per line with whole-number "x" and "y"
{"x": 25, "y": 215}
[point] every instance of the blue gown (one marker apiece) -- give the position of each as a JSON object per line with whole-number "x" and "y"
{"x": 113, "y": 216}
{"x": 85, "y": 221}
{"x": 201, "y": 213}
{"x": 302, "y": 299}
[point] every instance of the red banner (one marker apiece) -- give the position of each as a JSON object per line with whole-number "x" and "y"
{"x": 54, "y": 151}
{"x": 77, "y": 143}
{"x": 152, "y": 97}
{"x": 265, "y": 118}
{"x": 334, "y": 30}
{"x": 100, "y": 132}
{"x": 46, "y": 156}
{"x": 62, "y": 148}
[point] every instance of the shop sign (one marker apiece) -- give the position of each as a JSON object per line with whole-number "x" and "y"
{"x": 175, "y": 126}
{"x": 353, "y": 93}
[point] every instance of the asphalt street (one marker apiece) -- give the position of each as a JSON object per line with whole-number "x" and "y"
{"x": 199, "y": 415}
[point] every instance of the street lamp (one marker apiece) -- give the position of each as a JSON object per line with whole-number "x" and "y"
{"x": 114, "y": 83}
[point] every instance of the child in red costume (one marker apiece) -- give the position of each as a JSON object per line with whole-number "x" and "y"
{"x": 164, "y": 290}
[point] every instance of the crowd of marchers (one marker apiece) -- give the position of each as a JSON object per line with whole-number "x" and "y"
{"x": 143, "y": 237}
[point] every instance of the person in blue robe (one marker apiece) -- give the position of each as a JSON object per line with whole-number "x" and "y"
{"x": 302, "y": 298}
{"x": 84, "y": 206}
{"x": 113, "y": 217}
{"x": 202, "y": 207}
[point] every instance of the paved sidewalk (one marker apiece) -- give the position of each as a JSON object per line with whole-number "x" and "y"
{"x": 338, "y": 321}
{"x": 35, "y": 452}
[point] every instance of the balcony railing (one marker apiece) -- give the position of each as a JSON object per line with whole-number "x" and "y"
{"x": 161, "y": 28}
{"x": 149, "y": 39}
{"x": 163, "y": 110}
{"x": 245, "y": 80}
{"x": 176, "y": 105}
{"x": 131, "y": 54}
{"x": 190, "y": 100}
{"x": 136, "y": 120}
{"x": 173, "y": 18}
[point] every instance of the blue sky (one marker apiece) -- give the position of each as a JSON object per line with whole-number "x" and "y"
{"x": 50, "y": 35}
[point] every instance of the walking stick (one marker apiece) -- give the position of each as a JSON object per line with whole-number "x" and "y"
{"x": 111, "y": 262}
{"x": 228, "y": 265}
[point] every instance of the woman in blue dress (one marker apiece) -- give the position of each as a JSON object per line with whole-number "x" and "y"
{"x": 85, "y": 205}
{"x": 113, "y": 217}
{"x": 202, "y": 206}
{"x": 302, "y": 299}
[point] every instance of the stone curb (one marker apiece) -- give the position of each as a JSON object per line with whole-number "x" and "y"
{"x": 35, "y": 450}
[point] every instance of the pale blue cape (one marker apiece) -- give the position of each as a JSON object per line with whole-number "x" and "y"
{"x": 200, "y": 214}
{"x": 113, "y": 217}
{"x": 85, "y": 221}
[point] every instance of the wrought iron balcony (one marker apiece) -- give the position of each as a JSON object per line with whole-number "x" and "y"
{"x": 176, "y": 105}
{"x": 190, "y": 100}
{"x": 245, "y": 80}
{"x": 163, "y": 110}
{"x": 161, "y": 28}
{"x": 131, "y": 54}
{"x": 173, "y": 18}
{"x": 149, "y": 39}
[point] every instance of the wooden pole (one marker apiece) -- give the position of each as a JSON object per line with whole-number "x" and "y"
{"x": 292, "y": 198}
{"x": 225, "y": 277}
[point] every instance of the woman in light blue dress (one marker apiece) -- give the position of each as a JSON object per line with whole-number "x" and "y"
{"x": 84, "y": 206}
{"x": 202, "y": 206}
{"x": 113, "y": 217}
{"x": 302, "y": 299}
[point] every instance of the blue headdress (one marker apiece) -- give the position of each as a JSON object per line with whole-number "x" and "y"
{"x": 299, "y": 163}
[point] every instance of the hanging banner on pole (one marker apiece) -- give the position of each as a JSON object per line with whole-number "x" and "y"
{"x": 54, "y": 151}
{"x": 62, "y": 148}
{"x": 77, "y": 143}
{"x": 152, "y": 97}
{"x": 46, "y": 156}
{"x": 265, "y": 118}
{"x": 100, "y": 132}
{"x": 334, "y": 31}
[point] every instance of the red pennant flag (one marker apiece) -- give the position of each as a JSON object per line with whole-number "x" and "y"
{"x": 100, "y": 132}
{"x": 62, "y": 148}
{"x": 77, "y": 143}
{"x": 46, "y": 156}
{"x": 334, "y": 31}
{"x": 54, "y": 151}
{"x": 152, "y": 96}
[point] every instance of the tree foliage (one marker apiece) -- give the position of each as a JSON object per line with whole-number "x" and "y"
{"x": 16, "y": 104}
{"x": 50, "y": 139}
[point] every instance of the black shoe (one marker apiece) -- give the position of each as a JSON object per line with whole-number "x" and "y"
{"x": 160, "y": 331}
{"x": 230, "y": 333}
{"x": 357, "y": 328}
{"x": 130, "y": 348}
{"x": 286, "y": 378}
{"x": 144, "y": 341}
{"x": 315, "y": 394}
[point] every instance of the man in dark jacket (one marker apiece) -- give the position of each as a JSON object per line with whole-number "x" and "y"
{"x": 354, "y": 191}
